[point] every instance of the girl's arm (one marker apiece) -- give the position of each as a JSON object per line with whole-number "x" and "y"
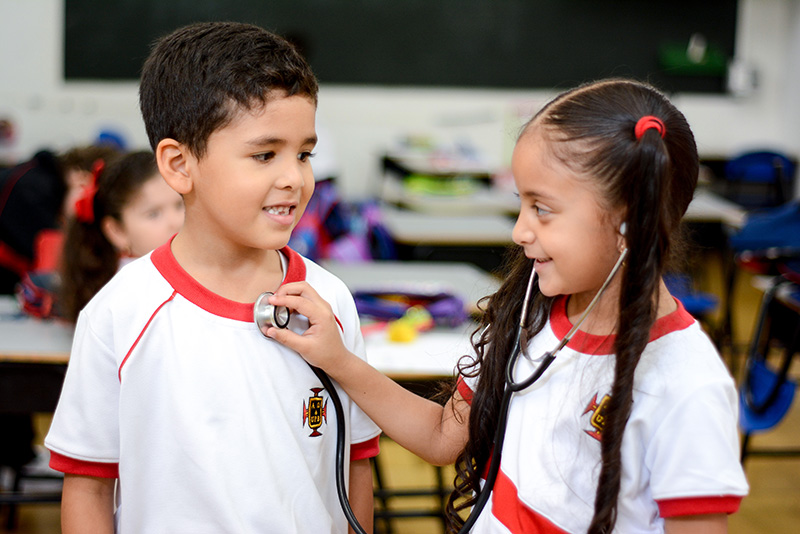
{"x": 360, "y": 493}
{"x": 697, "y": 524}
{"x": 87, "y": 505}
{"x": 436, "y": 434}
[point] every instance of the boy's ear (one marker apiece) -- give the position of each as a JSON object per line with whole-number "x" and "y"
{"x": 173, "y": 159}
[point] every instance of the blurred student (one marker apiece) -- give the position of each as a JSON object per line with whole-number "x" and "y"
{"x": 128, "y": 212}
{"x": 36, "y": 196}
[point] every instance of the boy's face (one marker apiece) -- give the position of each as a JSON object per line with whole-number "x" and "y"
{"x": 255, "y": 179}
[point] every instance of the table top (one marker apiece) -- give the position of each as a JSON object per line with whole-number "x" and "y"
{"x": 415, "y": 228}
{"x": 480, "y": 227}
{"x": 432, "y": 354}
{"x": 707, "y": 206}
{"x": 30, "y": 340}
{"x": 464, "y": 280}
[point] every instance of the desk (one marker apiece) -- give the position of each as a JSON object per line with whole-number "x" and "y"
{"x": 707, "y": 206}
{"x": 414, "y": 228}
{"x": 433, "y": 354}
{"x": 33, "y": 359}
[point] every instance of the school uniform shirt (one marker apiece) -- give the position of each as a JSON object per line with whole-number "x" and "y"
{"x": 209, "y": 426}
{"x": 680, "y": 450}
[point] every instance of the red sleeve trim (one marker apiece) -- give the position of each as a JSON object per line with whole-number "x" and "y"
{"x": 464, "y": 390}
{"x": 365, "y": 449}
{"x": 65, "y": 464}
{"x": 724, "y": 504}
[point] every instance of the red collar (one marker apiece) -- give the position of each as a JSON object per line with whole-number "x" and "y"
{"x": 191, "y": 290}
{"x": 604, "y": 345}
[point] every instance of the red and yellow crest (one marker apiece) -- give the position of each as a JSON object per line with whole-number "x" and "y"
{"x": 598, "y": 418}
{"x": 315, "y": 412}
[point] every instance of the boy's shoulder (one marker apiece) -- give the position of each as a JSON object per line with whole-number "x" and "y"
{"x": 137, "y": 285}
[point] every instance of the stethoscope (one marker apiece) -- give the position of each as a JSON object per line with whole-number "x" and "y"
{"x": 266, "y": 315}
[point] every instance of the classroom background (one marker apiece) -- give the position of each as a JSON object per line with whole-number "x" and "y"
{"x": 362, "y": 121}
{"x": 367, "y": 131}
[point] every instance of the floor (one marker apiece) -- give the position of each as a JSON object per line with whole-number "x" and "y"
{"x": 773, "y": 506}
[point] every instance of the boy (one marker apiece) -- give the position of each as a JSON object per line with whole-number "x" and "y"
{"x": 171, "y": 388}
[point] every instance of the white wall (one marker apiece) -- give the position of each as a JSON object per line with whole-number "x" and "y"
{"x": 363, "y": 121}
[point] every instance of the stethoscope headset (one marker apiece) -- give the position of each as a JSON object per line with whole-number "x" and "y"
{"x": 266, "y": 315}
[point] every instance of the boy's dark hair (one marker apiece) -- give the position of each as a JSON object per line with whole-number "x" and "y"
{"x": 197, "y": 77}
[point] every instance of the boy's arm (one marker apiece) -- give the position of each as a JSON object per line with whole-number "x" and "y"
{"x": 436, "y": 434}
{"x": 87, "y": 505}
{"x": 360, "y": 493}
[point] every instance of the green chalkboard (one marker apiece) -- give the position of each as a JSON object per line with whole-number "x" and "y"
{"x": 465, "y": 43}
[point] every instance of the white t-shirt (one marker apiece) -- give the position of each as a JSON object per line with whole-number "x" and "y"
{"x": 209, "y": 426}
{"x": 680, "y": 450}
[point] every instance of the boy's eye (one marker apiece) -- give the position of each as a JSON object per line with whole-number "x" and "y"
{"x": 540, "y": 211}
{"x": 305, "y": 156}
{"x": 266, "y": 156}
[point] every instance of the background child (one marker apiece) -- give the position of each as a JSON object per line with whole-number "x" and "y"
{"x": 38, "y": 195}
{"x": 633, "y": 427}
{"x": 130, "y": 211}
{"x": 171, "y": 388}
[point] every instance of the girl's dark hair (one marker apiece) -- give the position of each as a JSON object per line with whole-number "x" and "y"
{"x": 591, "y": 129}
{"x": 198, "y": 77}
{"x": 89, "y": 259}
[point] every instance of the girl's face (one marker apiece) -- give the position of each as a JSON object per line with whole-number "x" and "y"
{"x": 562, "y": 224}
{"x": 150, "y": 219}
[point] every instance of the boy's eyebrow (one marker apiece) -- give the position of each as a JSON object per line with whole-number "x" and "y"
{"x": 268, "y": 140}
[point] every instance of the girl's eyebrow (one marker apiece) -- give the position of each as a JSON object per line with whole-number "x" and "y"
{"x": 537, "y": 195}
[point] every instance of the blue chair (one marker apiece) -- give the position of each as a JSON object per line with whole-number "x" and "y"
{"x": 767, "y": 392}
{"x": 759, "y": 179}
{"x": 699, "y": 304}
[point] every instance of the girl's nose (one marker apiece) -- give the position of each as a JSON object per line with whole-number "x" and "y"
{"x": 522, "y": 234}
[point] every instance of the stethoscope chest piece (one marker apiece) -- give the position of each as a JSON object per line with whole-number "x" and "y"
{"x": 266, "y": 315}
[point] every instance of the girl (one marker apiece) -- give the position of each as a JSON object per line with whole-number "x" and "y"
{"x": 633, "y": 426}
{"x": 128, "y": 211}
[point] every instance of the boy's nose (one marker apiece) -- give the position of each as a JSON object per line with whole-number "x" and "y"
{"x": 292, "y": 176}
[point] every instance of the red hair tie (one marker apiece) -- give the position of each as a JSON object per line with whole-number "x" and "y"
{"x": 84, "y": 206}
{"x": 647, "y": 122}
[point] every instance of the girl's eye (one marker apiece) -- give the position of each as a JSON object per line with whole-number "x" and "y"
{"x": 266, "y": 156}
{"x": 305, "y": 156}
{"x": 540, "y": 211}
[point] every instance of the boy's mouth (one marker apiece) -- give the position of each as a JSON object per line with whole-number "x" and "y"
{"x": 279, "y": 210}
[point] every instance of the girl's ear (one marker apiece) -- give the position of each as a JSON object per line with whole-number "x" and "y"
{"x": 116, "y": 234}
{"x": 173, "y": 159}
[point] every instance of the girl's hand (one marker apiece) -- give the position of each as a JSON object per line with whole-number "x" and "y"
{"x": 321, "y": 345}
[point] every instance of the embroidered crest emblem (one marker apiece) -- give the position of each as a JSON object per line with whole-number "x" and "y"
{"x": 598, "y": 418}
{"x": 316, "y": 412}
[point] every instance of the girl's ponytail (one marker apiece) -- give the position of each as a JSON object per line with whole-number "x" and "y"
{"x": 647, "y": 239}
